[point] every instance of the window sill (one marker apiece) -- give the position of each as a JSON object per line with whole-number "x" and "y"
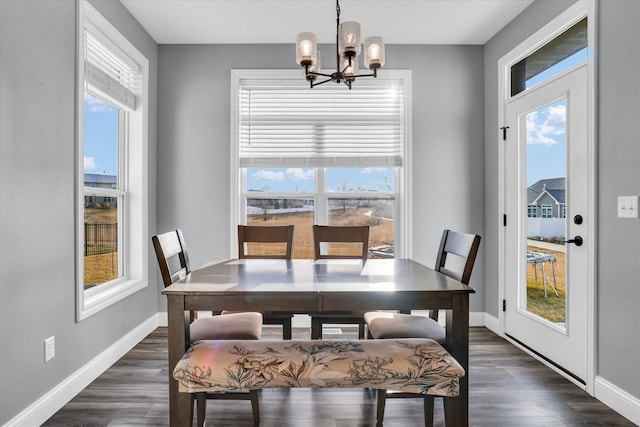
{"x": 94, "y": 300}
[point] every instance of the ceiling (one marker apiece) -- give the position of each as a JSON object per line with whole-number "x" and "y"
{"x": 278, "y": 21}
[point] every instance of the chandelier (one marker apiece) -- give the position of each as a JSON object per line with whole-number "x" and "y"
{"x": 347, "y": 51}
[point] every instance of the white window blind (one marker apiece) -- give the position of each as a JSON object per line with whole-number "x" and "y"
{"x": 109, "y": 71}
{"x": 286, "y": 124}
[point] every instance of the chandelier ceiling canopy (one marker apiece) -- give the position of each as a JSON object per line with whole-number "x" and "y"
{"x": 347, "y": 51}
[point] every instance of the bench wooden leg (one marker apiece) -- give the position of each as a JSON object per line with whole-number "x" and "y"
{"x": 428, "y": 411}
{"x": 382, "y": 399}
{"x": 201, "y": 408}
{"x": 255, "y": 407}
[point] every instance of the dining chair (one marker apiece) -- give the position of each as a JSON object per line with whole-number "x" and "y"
{"x": 456, "y": 257}
{"x": 268, "y": 241}
{"x": 339, "y": 242}
{"x": 173, "y": 261}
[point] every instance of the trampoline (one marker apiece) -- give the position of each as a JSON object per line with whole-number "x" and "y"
{"x": 541, "y": 258}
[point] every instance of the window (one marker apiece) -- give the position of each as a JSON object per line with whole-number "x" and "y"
{"x": 326, "y": 155}
{"x": 112, "y": 158}
{"x": 532, "y": 211}
{"x": 547, "y": 211}
{"x": 560, "y": 54}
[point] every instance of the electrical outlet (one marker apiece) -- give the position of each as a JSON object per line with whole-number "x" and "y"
{"x": 627, "y": 206}
{"x": 49, "y": 348}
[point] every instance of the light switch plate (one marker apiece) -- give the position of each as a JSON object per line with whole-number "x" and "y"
{"x": 49, "y": 348}
{"x": 627, "y": 206}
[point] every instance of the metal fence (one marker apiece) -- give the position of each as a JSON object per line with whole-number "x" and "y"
{"x": 100, "y": 238}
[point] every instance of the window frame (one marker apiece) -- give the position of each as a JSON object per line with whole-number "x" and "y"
{"x": 546, "y": 211}
{"x": 402, "y": 191}
{"x": 132, "y": 188}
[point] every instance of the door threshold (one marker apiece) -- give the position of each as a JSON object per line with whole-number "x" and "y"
{"x": 550, "y": 363}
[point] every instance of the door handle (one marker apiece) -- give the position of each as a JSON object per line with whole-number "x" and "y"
{"x": 577, "y": 240}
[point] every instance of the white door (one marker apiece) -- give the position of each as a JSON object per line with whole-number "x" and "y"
{"x": 546, "y": 239}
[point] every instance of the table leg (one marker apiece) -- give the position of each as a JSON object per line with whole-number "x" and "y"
{"x": 457, "y": 409}
{"x": 180, "y": 404}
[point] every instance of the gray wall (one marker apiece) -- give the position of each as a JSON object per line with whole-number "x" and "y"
{"x": 523, "y": 26}
{"x": 37, "y": 162}
{"x": 618, "y": 140}
{"x": 194, "y": 141}
{"x": 618, "y": 122}
{"x": 454, "y": 122}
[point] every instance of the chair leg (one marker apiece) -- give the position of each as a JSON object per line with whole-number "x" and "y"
{"x": 382, "y": 400}
{"x": 255, "y": 407}
{"x": 201, "y": 408}
{"x": 428, "y": 411}
{"x": 361, "y": 330}
{"x": 286, "y": 329}
{"x": 316, "y": 328}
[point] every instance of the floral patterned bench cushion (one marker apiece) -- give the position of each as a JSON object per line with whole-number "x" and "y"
{"x": 410, "y": 365}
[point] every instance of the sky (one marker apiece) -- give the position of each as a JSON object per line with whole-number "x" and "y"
{"x": 100, "y": 136}
{"x": 546, "y": 128}
{"x": 546, "y": 142}
{"x": 546, "y": 148}
{"x": 303, "y": 180}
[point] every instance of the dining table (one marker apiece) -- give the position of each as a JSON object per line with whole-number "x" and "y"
{"x": 315, "y": 286}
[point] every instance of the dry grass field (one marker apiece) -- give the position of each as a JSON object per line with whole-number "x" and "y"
{"x": 552, "y": 307}
{"x": 104, "y": 267}
{"x": 380, "y": 231}
{"x": 101, "y": 268}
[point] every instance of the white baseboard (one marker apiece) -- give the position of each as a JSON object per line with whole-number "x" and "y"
{"x": 301, "y": 321}
{"x": 492, "y": 323}
{"x": 304, "y": 321}
{"x": 476, "y": 319}
{"x": 42, "y": 409}
{"x": 617, "y": 399}
{"x": 163, "y": 319}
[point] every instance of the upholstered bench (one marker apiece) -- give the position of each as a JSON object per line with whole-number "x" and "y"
{"x": 409, "y": 365}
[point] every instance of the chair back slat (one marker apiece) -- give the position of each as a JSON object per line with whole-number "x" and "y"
{"x": 341, "y": 234}
{"x": 463, "y": 245}
{"x": 169, "y": 246}
{"x": 265, "y": 234}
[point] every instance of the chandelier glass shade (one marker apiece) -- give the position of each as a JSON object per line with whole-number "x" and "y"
{"x": 348, "y": 49}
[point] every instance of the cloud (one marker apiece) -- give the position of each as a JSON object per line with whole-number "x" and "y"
{"x": 373, "y": 170}
{"x": 96, "y": 104}
{"x": 268, "y": 175}
{"x": 89, "y": 163}
{"x": 299, "y": 174}
{"x": 544, "y": 132}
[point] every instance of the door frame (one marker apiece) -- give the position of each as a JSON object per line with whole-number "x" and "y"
{"x": 578, "y": 11}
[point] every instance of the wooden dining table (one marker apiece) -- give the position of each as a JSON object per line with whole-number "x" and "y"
{"x": 308, "y": 286}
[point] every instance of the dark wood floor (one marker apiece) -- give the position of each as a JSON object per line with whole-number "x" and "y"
{"x": 507, "y": 388}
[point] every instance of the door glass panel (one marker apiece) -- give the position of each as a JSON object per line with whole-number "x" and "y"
{"x": 545, "y": 207}
{"x": 298, "y": 212}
